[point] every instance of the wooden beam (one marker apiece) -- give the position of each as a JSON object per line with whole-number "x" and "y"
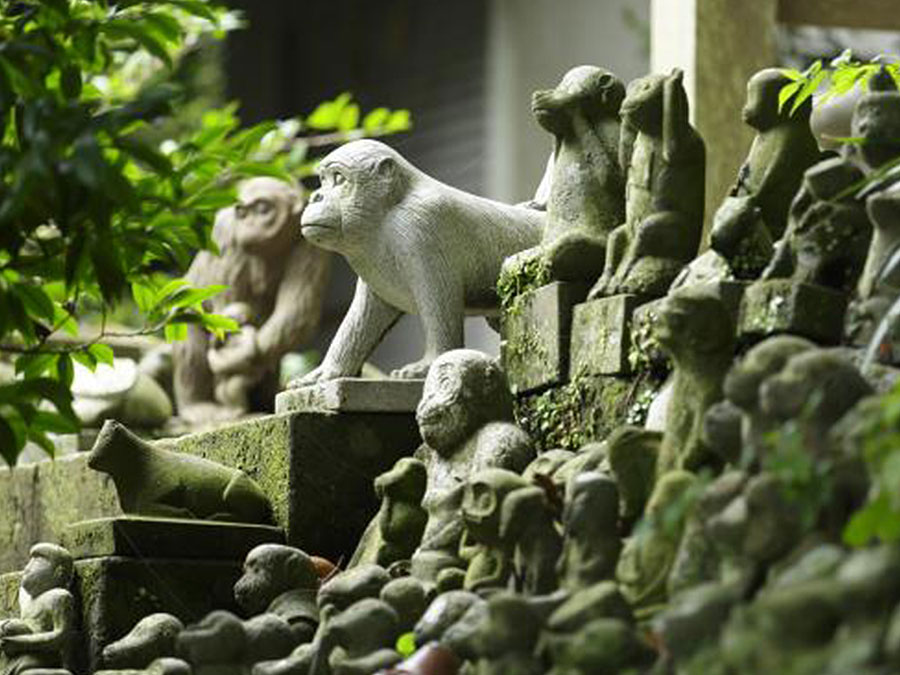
{"x": 873, "y": 14}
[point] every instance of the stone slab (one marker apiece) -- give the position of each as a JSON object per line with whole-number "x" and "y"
{"x": 353, "y": 394}
{"x": 316, "y": 468}
{"x": 782, "y": 306}
{"x": 166, "y": 538}
{"x": 536, "y": 334}
{"x": 601, "y": 336}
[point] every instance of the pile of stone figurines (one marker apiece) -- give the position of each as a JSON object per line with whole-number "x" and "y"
{"x": 711, "y": 543}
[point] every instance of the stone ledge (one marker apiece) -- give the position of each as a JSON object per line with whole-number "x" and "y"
{"x": 166, "y": 538}
{"x": 352, "y": 394}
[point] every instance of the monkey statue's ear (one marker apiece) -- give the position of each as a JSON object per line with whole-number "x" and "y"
{"x": 386, "y": 167}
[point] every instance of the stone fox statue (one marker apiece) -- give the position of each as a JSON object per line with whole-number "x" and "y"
{"x": 151, "y": 481}
{"x": 419, "y": 246}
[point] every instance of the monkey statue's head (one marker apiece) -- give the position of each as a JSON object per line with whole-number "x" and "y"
{"x": 482, "y": 502}
{"x": 49, "y": 566}
{"x": 594, "y": 91}
{"x": 876, "y": 120}
{"x": 360, "y": 182}
{"x": 761, "y": 109}
{"x": 643, "y": 104}
{"x": 405, "y": 482}
{"x": 464, "y": 389}
{"x": 264, "y": 218}
{"x": 271, "y": 570}
{"x": 763, "y": 360}
{"x": 695, "y": 324}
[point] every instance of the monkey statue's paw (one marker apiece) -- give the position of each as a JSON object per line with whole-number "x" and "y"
{"x": 601, "y": 288}
{"x": 413, "y": 371}
{"x": 321, "y": 373}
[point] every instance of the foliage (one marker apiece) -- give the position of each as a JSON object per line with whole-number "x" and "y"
{"x": 93, "y": 208}
{"x": 406, "y": 644}
{"x": 840, "y": 76}
{"x": 879, "y": 518}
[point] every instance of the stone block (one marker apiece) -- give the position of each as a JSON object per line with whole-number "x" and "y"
{"x": 316, "y": 468}
{"x": 115, "y": 592}
{"x": 782, "y": 306}
{"x": 353, "y": 394}
{"x": 601, "y": 336}
{"x": 536, "y": 331}
{"x": 166, "y": 538}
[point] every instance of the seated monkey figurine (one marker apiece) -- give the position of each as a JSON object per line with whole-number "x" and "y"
{"x": 277, "y": 277}
{"x": 465, "y": 418}
{"x": 151, "y": 481}
{"x": 153, "y": 637}
{"x": 527, "y": 523}
{"x": 419, "y": 247}
{"x": 665, "y": 162}
{"x": 583, "y": 189}
{"x": 489, "y": 556}
{"x": 754, "y": 215}
{"x": 697, "y": 332}
{"x": 38, "y": 641}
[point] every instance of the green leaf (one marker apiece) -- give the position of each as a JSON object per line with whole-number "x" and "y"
{"x": 103, "y": 353}
{"x": 144, "y": 296}
{"x": 37, "y": 303}
{"x": 324, "y": 117}
{"x": 400, "y": 120}
{"x": 175, "y": 332}
{"x": 376, "y": 119}
{"x": 145, "y": 153}
{"x": 65, "y": 372}
{"x": 85, "y": 359}
{"x": 54, "y": 422}
{"x": 349, "y": 118}
{"x": 809, "y": 89}
{"x": 123, "y": 28}
{"x": 406, "y": 644}
{"x": 792, "y": 74}
{"x": 786, "y": 92}
{"x": 168, "y": 290}
{"x": 35, "y": 365}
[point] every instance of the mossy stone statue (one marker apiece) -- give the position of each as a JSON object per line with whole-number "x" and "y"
{"x": 754, "y": 215}
{"x": 583, "y": 189}
{"x": 151, "y": 481}
{"x": 664, "y": 159}
{"x": 527, "y": 522}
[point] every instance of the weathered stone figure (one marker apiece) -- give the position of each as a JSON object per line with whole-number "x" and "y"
{"x": 664, "y": 159}
{"x": 696, "y": 330}
{"x": 754, "y": 215}
{"x": 527, "y": 522}
{"x": 151, "y": 481}
{"x": 583, "y": 189}
{"x": 38, "y": 641}
{"x": 273, "y": 272}
{"x": 419, "y": 246}
{"x": 152, "y": 637}
{"x": 466, "y": 420}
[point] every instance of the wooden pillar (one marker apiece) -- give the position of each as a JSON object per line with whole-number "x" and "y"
{"x": 719, "y": 44}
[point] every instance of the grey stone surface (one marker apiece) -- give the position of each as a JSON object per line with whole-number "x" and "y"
{"x": 166, "y": 538}
{"x": 601, "y": 336}
{"x": 353, "y": 394}
{"x": 535, "y": 344}
{"x": 782, "y": 306}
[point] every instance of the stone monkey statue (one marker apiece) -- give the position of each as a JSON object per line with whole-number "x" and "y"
{"x": 39, "y": 640}
{"x": 269, "y": 269}
{"x": 527, "y": 522}
{"x": 664, "y": 159}
{"x": 754, "y": 215}
{"x": 583, "y": 189}
{"x": 419, "y": 246}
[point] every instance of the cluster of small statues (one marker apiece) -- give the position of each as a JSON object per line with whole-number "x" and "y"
{"x": 710, "y": 544}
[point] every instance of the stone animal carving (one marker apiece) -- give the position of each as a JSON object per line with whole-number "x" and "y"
{"x": 754, "y": 215}
{"x": 359, "y": 640}
{"x": 418, "y": 246}
{"x": 527, "y": 522}
{"x": 583, "y": 189}
{"x": 696, "y": 330}
{"x": 38, "y": 642}
{"x": 664, "y": 159}
{"x": 151, "y": 481}
{"x": 277, "y": 276}
{"x": 591, "y": 545}
{"x": 281, "y": 581}
{"x": 465, "y": 418}
{"x": 152, "y": 637}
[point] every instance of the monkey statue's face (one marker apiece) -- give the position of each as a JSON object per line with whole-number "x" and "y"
{"x": 594, "y": 90}
{"x": 482, "y": 502}
{"x": 360, "y": 182}
{"x": 39, "y": 576}
{"x": 643, "y": 104}
{"x": 693, "y": 324}
{"x": 443, "y": 413}
{"x": 263, "y": 216}
{"x": 257, "y": 587}
{"x": 761, "y": 109}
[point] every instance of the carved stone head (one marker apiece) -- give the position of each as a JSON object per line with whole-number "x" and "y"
{"x": 761, "y": 108}
{"x": 482, "y": 502}
{"x": 269, "y": 571}
{"x": 49, "y": 566}
{"x": 591, "y": 90}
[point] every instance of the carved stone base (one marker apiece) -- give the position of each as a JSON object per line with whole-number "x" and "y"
{"x": 166, "y": 538}
{"x": 353, "y": 394}
{"x": 536, "y": 332}
{"x": 601, "y": 336}
{"x": 781, "y": 306}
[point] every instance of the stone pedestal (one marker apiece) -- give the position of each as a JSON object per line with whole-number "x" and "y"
{"x": 166, "y": 538}
{"x": 782, "y": 306}
{"x": 536, "y": 332}
{"x": 601, "y": 336}
{"x": 353, "y": 394}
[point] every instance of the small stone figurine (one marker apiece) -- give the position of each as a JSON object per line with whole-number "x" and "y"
{"x": 665, "y": 163}
{"x": 38, "y": 641}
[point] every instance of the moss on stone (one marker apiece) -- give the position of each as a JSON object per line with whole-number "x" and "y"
{"x": 520, "y": 276}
